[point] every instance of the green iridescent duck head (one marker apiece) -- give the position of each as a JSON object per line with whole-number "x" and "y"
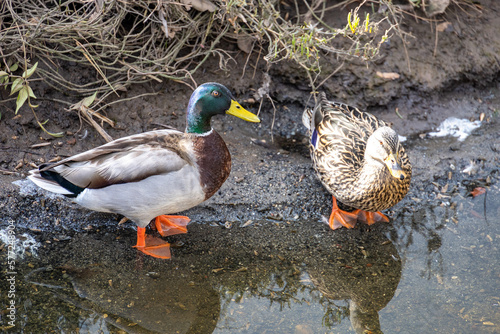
{"x": 212, "y": 99}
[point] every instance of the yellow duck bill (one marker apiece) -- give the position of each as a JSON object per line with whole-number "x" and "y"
{"x": 237, "y": 110}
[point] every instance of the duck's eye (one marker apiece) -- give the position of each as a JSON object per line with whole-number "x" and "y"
{"x": 381, "y": 143}
{"x": 215, "y": 93}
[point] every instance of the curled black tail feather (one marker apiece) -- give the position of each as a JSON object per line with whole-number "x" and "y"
{"x": 56, "y": 177}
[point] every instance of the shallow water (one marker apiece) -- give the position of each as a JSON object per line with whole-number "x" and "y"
{"x": 438, "y": 274}
{"x": 434, "y": 270}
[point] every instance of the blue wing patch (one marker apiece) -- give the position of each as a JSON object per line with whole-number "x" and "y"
{"x": 314, "y": 138}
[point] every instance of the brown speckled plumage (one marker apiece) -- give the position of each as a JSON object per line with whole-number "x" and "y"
{"x": 339, "y": 136}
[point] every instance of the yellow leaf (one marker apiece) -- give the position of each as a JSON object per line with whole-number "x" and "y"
{"x": 30, "y": 72}
{"x": 89, "y": 100}
{"x": 21, "y": 98}
{"x": 30, "y": 92}
{"x": 17, "y": 85}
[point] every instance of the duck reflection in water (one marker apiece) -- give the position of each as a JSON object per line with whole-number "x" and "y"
{"x": 114, "y": 293}
{"x": 159, "y": 302}
{"x": 365, "y": 269}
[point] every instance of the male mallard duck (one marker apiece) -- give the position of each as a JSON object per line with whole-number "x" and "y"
{"x": 359, "y": 160}
{"x": 151, "y": 174}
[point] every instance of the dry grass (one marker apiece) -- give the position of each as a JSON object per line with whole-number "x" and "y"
{"x": 124, "y": 42}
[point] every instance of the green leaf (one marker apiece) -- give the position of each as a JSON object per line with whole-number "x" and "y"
{"x": 13, "y": 67}
{"x": 2, "y": 73}
{"x": 21, "y": 98}
{"x": 30, "y": 92}
{"x": 17, "y": 85}
{"x": 89, "y": 100}
{"x": 30, "y": 72}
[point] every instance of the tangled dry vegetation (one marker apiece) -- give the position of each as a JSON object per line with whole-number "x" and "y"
{"x": 123, "y": 42}
{"x": 127, "y": 41}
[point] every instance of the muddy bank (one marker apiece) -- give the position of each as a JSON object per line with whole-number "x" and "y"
{"x": 274, "y": 180}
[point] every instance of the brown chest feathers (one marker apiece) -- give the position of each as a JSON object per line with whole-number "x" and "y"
{"x": 214, "y": 162}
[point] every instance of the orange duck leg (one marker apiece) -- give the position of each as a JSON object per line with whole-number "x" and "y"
{"x": 372, "y": 217}
{"x": 152, "y": 246}
{"x": 340, "y": 218}
{"x": 171, "y": 225}
{"x": 166, "y": 225}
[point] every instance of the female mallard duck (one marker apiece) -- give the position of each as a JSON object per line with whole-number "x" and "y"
{"x": 151, "y": 174}
{"x": 359, "y": 160}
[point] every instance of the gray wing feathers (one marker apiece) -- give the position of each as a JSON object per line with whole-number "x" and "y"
{"x": 128, "y": 159}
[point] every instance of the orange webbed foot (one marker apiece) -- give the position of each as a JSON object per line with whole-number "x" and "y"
{"x": 372, "y": 217}
{"x": 340, "y": 218}
{"x": 152, "y": 246}
{"x": 171, "y": 225}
